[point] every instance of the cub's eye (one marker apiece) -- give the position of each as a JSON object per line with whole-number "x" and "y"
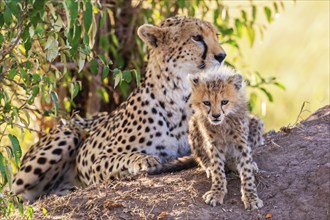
{"x": 197, "y": 37}
{"x": 207, "y": 103}
{"x": 224, "y": 102}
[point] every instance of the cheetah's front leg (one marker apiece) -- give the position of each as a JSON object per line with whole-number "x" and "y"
{"x": 246, "y": 168}
{"x": 219, "y": 183}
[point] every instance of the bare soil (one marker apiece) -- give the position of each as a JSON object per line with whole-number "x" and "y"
{"x": 294, "y": 183}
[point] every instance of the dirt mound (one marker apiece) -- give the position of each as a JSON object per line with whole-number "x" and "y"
{"x": 293, "y": 183}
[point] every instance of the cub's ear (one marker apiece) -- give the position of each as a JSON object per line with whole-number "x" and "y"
{"x": 236, "y": 80}
{"x": 194, "y": 80}
{"x": 150, "y": 34}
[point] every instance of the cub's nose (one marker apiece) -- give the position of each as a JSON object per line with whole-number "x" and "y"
{"x": 216, "y": 116}
{"x": 220, "y": 57}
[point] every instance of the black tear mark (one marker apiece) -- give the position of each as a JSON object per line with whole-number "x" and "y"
{"x": 205, "y": 49}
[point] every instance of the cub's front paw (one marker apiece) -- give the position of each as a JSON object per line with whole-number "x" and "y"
{"x": 252, "y": 203}
{"x": 214, "y": 197}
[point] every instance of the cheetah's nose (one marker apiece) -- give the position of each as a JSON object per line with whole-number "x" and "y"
{"x": 220, "y": 57}
{"x": 216, "y": 116}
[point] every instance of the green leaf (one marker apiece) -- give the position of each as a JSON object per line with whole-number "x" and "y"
{"x": 3, "y": 165}
{"x": 35, "y": 90}
{"x": 181, "y": 3}
{"x": 74, "y": 39}
{"x": 254, "y": 12}
{"x": 281, "y": 86}
{"x": 103, "y": 59}
{"x": 137, "y": 76}
{"x": 81, "y": 61}
{"x": 124, "y": 89}
{"x": 268, "y": 14}
{"x": 26, "y": 34}
{"x": 103, "y": 18}
{"x": 7, "y": 16}
{"x": 118, "y": 79}
{"x": 88, "y": 16}
{"x": 51, "y": 48}
{"x": 27, "y": 114}
{"x": 105, "y": 72}
{"x": 35, "y": 78}
{"x": 55, "y": 100}
{"x": 244, "y": 15}
{"x": 116, "y": 71}
{"x": 127, "y": 76}
{"x": 44, "y": 211}
{"x": 23, "y": 121}
{"x": 7, "y": 107}
{"x": 269, "y": 96}
{"x": 72, "y": 11}
{"x": 14, "y": 8}
{"x": 1, "y": 39}
{"x": 75, "y": 89}
{"x": 28, "y": 46}
{"x": 16, "y": 149}
{"x": 39, "y": 6}
{"x": 275, "y": 7}
{"x": 2, "y": 20}
{"x": 29, "y": 212}
{"x": 252, "y": 101}
{"x": 232, "y": 43}
{"x": 12, "y": 73}
{"x": 104, "y": 94}
{"x": 238, "y": 26}
{"x": 251, "y": 34}
{"x": 94, "y": 65}
{"x": 23, "y": 74}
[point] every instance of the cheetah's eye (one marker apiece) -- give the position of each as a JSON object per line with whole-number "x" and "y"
{"x": 207, "y": 103}
{"x": 198, "y": 38}
{"x": 224, "y": 102}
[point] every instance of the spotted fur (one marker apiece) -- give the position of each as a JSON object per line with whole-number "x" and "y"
{"x": 151, "y": 126}
{"x": 219, "y": 133}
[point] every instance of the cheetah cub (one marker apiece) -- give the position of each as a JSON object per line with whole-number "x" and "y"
{"x": 219, "y": 132}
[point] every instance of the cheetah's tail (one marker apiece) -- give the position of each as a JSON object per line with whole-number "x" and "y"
{"x": 181, "y": 163}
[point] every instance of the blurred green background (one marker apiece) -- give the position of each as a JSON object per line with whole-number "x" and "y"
{"x": 295, "y": 49}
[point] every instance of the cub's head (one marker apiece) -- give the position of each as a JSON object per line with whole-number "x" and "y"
{"x": 183, "y": 44}
{"x": 217, "y": 94}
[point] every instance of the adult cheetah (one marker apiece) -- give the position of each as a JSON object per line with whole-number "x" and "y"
{"x": 147, "y": 130}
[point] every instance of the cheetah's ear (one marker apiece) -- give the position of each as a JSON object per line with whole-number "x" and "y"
{"x": 236, "y": 80}
{"x": 150, "y": 34}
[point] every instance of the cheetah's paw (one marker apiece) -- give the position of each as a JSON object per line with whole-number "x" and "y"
{"x": 253, "y": 204}
{"x": 148, "y": 163}
{"x": 214, "y": 197}
{"x": 255, "y": 168}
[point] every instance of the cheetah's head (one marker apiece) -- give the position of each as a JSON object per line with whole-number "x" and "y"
{"x": 183, "y": 44}
{"x": 217, "y": 94}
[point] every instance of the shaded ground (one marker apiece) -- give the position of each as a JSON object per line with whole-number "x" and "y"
{"x": 294, "y": 183}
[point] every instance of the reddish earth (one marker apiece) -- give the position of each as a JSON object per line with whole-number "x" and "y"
{"x": 294, "y": 183}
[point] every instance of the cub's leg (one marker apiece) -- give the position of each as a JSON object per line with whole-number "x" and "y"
{"x": 219, "y": 183}
{"x": 196, "y": 143}
{"x": 245, "y": 168}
